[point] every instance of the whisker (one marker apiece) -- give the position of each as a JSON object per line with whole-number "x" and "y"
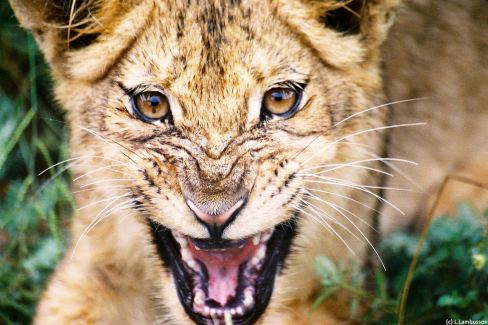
{"x": 329, "y": 227}
{"x": 344, "y": 209}
{"x": 333, "y": 206}
{"x": 319, "y": 210}
{"x": 109, "y": 140}
{"x": 361, "y": 185}
{"x": 390, "y": 165}
{"x": 377, "y": 158}
{"x": 108, "y": 181}
{"x": 99, "y": 188}
{"x": 100, "y": 201}
{"x": 87, "y": 228}
{"x": 382, "y": 105}
{"x": 100, "y": 169}
{"x": 339, "y": 166}
{"x": 362, "y": 190}
{"x": 363, "y": 132}
{"x": 355, "y": 114}
{"x": 77, "y": 158}
{"x": 341, "y": 196}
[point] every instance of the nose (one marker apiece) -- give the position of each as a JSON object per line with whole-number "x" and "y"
{"x": 216, "y": 222}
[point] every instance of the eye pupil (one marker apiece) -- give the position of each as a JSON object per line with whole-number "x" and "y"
{"x": 279, "y": 96}
{"x": 154, "y": 101}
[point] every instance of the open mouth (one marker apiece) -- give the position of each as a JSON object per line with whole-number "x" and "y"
{"x": 225, "y": 281}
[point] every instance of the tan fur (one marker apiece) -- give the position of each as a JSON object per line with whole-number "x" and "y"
{"x": 215, "y": 59}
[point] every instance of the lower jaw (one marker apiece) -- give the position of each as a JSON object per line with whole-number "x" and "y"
{"x": 238, "y": 309}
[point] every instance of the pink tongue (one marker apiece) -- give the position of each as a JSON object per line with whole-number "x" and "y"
{"x": 223, "y": 269}
{"x": 222, "y": 283}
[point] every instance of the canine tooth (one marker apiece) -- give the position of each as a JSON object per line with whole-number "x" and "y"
{"x": 185, "y": 254}
{"x": 256, "y": 239}
{"x": 266, "y": 236}
{"x": 206, "y": 310}
{"x": 239, "y": 310}
{"x": 183, "y": 243}
{"x": 261, "y": 252}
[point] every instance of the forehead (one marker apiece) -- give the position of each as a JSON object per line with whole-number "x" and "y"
{"x": 212, "y": 54}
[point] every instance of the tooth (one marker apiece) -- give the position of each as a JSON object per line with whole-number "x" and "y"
{"x": 248, "y": 298}
{"x": 213, "y": 312}
{"x": 181, "y": 240}
{"x": 255, "y": 261}
{"x": 185, "y": 254}
{"x": 206, "y": 310}
{"x": 191, "y": 263}
{"x": 261, "y": 252}
{"x": 239, "y": 310}
{"x": 233, "y": 311}
{"x": 266, "y": 236}
{"x": 198, "y": 299}
{"x": 220, "y": 313}
{"x": 227, "y": 317}
{"x": 197, "y": 248}
{"x": 256, "y": 239}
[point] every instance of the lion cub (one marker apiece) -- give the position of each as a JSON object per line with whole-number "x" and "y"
{"x": 222, "y": 145}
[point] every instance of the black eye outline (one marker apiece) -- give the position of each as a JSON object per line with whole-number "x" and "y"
{"x": 295, "y": 87}
{"x": 168, "y": 117}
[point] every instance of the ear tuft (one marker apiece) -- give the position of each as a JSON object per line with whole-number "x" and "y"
{"x": 345, "y": 19}
{"x": 73, "y": 32}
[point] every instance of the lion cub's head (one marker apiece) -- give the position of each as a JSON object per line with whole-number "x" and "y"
{"x": 212, "y": 119}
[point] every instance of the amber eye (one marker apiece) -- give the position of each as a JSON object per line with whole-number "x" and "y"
{"x": 151, "y": 106}
{"x": 282, "y": 102}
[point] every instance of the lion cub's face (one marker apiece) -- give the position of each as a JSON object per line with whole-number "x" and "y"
{"x": 209, "y": 116}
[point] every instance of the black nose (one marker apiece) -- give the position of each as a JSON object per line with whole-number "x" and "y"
{"x": 216, "y": 220}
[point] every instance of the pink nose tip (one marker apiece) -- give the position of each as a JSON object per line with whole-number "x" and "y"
{"x": 215, "y": 219}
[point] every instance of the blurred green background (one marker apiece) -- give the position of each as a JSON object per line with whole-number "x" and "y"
{"x": 450, "y": 280}
{"x": 33, "y": 209}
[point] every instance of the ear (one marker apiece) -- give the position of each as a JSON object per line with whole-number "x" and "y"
{"x": 73, "y": 34}
{"x": 342, "y": 31}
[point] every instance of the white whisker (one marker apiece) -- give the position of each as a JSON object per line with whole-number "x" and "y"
{"x": 328, "y": 227}
{"x": 377, "y": 158}
{"x": 360, "y": 189}
{"x": 77, "y": 158}
{"x": 99, "y": 188}
{"x": 342, "y": 196}
{"x": 318, "y": 211}
{"x": 343, "y": 209}
{"x": 109, "y": 167}
{"x": 363, "y": 132}
{"x": 339, "y": 166}
{"x": 361, "y": 185}
{"x": 100, "y": 201}
{"x": 87, "y": 228}
{"x": 380, "y": 106}
{"x": 108, "y": 181}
